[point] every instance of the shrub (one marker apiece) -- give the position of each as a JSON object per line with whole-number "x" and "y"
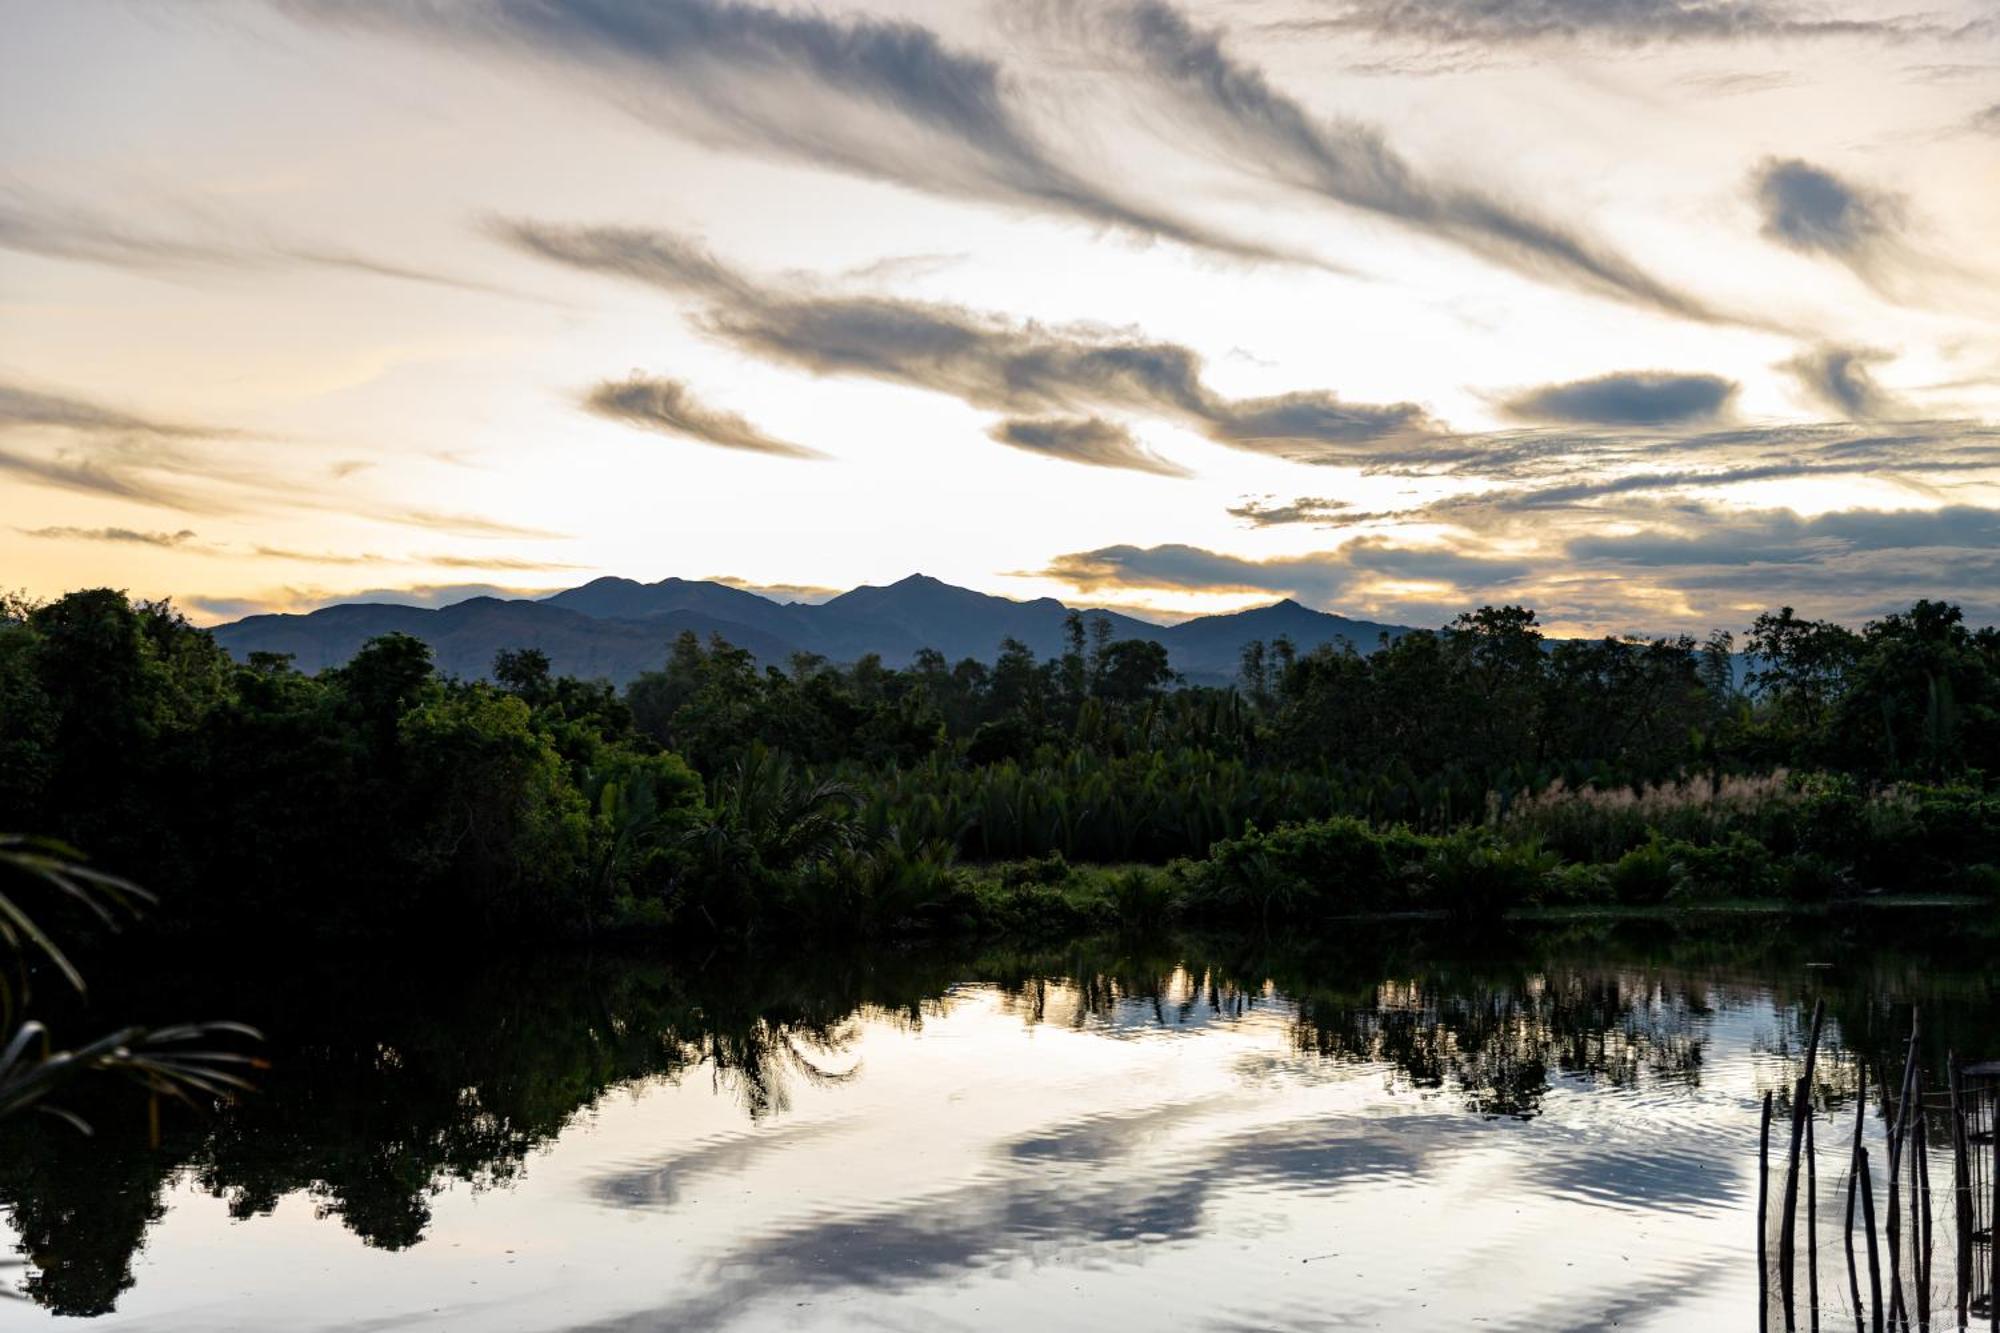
{"x": 1473, "y": 873}
{"x": 1643, "y": 875}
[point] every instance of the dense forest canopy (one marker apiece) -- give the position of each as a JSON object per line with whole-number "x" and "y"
{"x": 709, "y": 789}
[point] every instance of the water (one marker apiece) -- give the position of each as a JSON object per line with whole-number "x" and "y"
{"x": 1396, "y": 1131}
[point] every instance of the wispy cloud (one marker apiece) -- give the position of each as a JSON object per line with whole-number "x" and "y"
{"x": 21, "y": 407}
{"x": 1265, "y": 129}
{"x": 1809, "y": 209}
{"x": 1628, "y": 22}
{"x": 117, "y": 536}
{"x": 298, "y": 600}
{"x": 986, "y": 360}
{"x": 32, "y": 224}
{"x": 1263, "y": 513}
{"x": 1839, "y": 378}
{"x": 1682, "y": 565}
{"x": 1702, "y": 536}
{"x": 467, "y": 525}
{"x": 1630, "y": 398}
{"x": 94, "y": 449}
{"x": 780, "y": 592}
{"x": 876, "y": 97}
{"x": 667, "y": 406}
{"x": 1090, "y": 440}
{"x": 1323, "y": 578}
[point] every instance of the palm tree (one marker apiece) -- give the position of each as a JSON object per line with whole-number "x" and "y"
{"x": 173, "y": 1061}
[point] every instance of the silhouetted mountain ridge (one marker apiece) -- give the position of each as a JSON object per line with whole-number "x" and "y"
{"x": 616, "y": 627}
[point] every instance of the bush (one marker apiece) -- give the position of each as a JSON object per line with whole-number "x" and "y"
{"x": 1738, "y": 867}
{"x": 1643, "y": 875}
{"x": 1473, "y": 873}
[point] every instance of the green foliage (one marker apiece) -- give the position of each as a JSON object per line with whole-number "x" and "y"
{"x": 1471, "y": 771}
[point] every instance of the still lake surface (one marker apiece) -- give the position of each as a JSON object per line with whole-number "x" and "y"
{"x": 1528, "y": 1130}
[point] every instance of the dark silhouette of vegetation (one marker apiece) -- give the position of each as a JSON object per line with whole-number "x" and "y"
{"x": 179, "y": 1061}
{"x": 402, "y": 1077}
{"x": 1471, "y": 770}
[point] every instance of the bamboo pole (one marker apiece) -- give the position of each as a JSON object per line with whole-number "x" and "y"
{"x": 1920, "y": 1204}
{"x": 1892, "y": 1225}
{"x": 1961, "y": 1177}
{"x": 1788, "y": 1220}
{"x": 1853, "y": 1170}
{"x": 1868, "y": 1225}
{"x": 1812, "y": 1231}
{"x": 1763, "y": 1218}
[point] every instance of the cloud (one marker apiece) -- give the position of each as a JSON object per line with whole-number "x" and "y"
{"x": 1681, "y": 564}
{"x": 1631, "y": 398}
{"x": 988, "y": 361}
{"x": 666, "y": 405}
{"x": 1350, "y": 163}
{"x": 1091, "y": 440}
{"x": 1986, "y": 120}
{"x": 1628, "y": 22}
{"x": 30, "y": 224}
{"x": 104, "y": 449}
{"x": 22, "y": 407}
{"x": 1320, "y": 579}
{"x": 1809, "y": 209}
{"x": 294, "y": 601}
{"x": 115, "y": 535}
{"x": 780, "y": 592}
{"x": 1838, "y": 378}
{"x": 876, "y": 97}
{"x": 468, "y": 525}
{"x": 1703, "y": 536}
{"x": 491, "y": 562}
{"x": 1736, "y": 83}
{"x": 1305, "y": 509}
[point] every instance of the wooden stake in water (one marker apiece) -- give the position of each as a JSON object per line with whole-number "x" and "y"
{"x": 1853, "y": 1171}
{"x": 1812, "y": 1231}
{"x": 1920, "y": 1203}
{"x": 1961, "y": 1178}
{"x": 1788, "y": 1220}
{"x": 1763, "y": 1219}
{"x": 1892, "y": 1225}
{"x": 1868, "y": 1224}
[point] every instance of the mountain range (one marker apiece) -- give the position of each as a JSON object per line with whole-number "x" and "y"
{"x": 616, "y": 628}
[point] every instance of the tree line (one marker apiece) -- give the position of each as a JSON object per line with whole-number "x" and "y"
{"x": 714, "y": 794}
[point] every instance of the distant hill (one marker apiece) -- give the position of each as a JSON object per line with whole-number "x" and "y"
{"x": 617, "y": 628}
{"x": 1212, "y": 646}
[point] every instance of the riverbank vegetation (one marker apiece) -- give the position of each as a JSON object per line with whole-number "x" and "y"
{"x": 1470, "y": 771}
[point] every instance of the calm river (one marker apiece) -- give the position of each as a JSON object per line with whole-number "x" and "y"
{"x": 1534, "y": 1131}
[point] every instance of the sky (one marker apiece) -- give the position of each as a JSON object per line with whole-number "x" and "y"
{"x": 1651, "y": 315}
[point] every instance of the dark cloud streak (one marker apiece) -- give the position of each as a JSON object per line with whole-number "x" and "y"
{"x": 1628, "y": 22}
{"x": 1839, "y": 378}
{"x": 1090, "y": 440}
{"x": 1352, "y": 164}
{"x": 1020, "y": 369}
{"x": 880, "y": 98}
{"x": 668, "y": 406}
{"x": 1632, "y": 398}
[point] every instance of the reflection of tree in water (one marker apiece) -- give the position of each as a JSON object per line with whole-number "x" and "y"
{"x": 1500, "y": 1042}
{"x": 385, "y": 1094}
{"x": 391, "y": 1086}
{"x": 1499, "y": 1036}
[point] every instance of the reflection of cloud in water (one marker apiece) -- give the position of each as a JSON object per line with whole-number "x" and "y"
{"x": 1656, "y": 1175}
{"x": 1109, "y": 1134}
{"x": 659, "y": 1182}
{"x": 1621, "y": 1302}
{"x": 1098, "y": 1210}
